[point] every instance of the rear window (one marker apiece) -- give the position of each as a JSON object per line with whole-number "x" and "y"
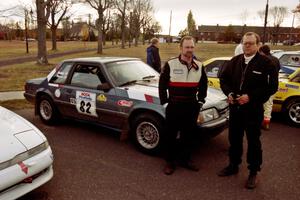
{"x": 290, "y": 60}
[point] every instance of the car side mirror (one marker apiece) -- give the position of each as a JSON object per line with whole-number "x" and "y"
{"x": 104, "y": 87}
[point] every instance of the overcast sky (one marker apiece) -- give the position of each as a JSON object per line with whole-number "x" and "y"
{"x": 206, "y": 12}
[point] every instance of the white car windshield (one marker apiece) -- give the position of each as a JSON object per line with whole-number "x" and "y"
{"x": 124, "y": 72}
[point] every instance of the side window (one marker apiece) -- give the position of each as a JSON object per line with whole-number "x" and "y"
{"x": 292, "y": 60}
{"x": 213, "y": 68}
{"x": 87, "y": 76}
{"x": 62, "y": 74}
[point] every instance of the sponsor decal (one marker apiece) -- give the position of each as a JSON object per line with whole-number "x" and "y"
{"x": 102, "y": 98}
{"x": 256, "y": 72}
{"x": 125, "y": 103}
{"x": 73, "y": 101}
{"x": 57, "y": 93}
{"x": 292, "y": 86}
{"x": 149, "y": 98}
{"x": 283, "y": 90}
{"x": 23, "y": 167}
{"x": 178, "y": 71}
{"x": 86, "y": 103}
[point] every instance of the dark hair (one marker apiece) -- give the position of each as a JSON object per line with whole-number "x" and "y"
{"x": 265, "y": 49}
{"x": 187, "y": 37}
{"x": 255, "y": 35}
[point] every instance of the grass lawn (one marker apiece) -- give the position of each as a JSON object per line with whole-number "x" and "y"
{"x": 16, "y": 104}
{"x": 16, "y": 48}
{"x": 13, "y": 77}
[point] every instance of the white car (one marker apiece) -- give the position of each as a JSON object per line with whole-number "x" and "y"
{"x": 25, "y": 156}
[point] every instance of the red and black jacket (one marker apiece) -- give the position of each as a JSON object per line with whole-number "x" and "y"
{"x": 180, "y": 83}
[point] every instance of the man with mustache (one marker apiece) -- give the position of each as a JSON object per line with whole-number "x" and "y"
{"x": 182, "y": 90}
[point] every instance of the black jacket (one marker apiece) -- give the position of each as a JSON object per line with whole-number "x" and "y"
{"x": 180, "y": 84}
{"x": 258, "y": 79}
{"x": 153, "y": 58}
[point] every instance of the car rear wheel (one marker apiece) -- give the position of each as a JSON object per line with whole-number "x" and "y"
{"x": 292, "y": 112}
{"x": 47, "y": 111}
{"x": 147, "y": 133}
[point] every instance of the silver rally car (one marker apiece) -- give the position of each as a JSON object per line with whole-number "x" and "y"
{"x": 119, "y": 93}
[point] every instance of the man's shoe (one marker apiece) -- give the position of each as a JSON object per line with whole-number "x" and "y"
{"x": 189, "y": 165}
{"x": 229, "y": 170}
{"x": 251, "y": 182}
{"x": 169, "y": 168}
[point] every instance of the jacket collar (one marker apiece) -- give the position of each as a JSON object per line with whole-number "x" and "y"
{"x": 193, "y": 64}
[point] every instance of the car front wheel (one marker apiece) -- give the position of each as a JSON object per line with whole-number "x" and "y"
{"x": 147, "y": 133}
{"x": 292, "y": 112}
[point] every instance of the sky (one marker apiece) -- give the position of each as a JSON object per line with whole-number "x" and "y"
{"x": 205, "y": 12}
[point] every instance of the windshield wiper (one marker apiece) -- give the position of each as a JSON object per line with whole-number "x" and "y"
{"x": 148, "y": 77}
{"x": 128, "y": 83}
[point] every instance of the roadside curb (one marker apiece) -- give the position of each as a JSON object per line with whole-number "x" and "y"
{"x": 11, "y": 95}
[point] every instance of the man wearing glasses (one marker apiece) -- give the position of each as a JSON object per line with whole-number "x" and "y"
{"x": 248, "y": 81}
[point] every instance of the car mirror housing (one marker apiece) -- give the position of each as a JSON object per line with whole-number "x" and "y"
{"x": 103, "y": 86}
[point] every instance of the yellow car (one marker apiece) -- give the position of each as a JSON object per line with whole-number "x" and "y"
{"x": 287, "y": 98}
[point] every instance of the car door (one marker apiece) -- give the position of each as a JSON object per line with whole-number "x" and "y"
{"x": 212, "y": 71}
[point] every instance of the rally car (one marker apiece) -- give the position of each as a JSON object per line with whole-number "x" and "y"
{"x": 289, "y": 60}
{"x": 25, "y": 156}
{"x": 120, "y": 93}
{"x": 287, "y": 98}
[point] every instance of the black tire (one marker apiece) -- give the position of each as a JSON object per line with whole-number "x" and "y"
{"x": 146, "y": 132}
{"x": 292, "y": 112}
{"x": 47, "y": 110}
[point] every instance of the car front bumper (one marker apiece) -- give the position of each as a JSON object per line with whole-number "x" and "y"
{"x": 12, "y": 179}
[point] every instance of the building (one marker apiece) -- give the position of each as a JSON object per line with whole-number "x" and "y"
{"x": 234, "y": 33}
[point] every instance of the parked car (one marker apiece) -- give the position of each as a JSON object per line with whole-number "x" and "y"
{"x": 288, "y": 42}
{"x": 25, "y": 156}
{"x": 120, "y": 93}
{"x": 289, "y": 60}
{"x": 287, "y": 98}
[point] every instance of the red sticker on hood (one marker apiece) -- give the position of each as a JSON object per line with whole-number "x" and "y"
{"x": 24, "y": 168}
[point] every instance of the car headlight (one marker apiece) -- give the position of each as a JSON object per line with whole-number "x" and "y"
{"x": 25, "y": 155}
{"x": 207, "y": 115}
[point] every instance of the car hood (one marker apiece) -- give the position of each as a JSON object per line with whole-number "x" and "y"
{"x": 17, "y": 135}
{"x": 213, "y": 99}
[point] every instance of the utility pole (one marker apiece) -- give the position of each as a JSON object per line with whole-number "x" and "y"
{"x": 266, "y": 21}
{"x": 169, "y": 40}
{"x": 26, "y": 29}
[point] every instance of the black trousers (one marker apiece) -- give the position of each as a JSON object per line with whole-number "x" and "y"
{"x": 180, "y": 118}
{"x": 245, "y": 119}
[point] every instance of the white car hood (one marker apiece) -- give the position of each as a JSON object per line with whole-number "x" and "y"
{"x": 137, "y": 91}
{"x": 17, "y": 135}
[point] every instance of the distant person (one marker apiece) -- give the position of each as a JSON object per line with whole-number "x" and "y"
{"x": 153, "y": 58}
{"x": 238, "y": 49}
{"x": 265, "y": 50}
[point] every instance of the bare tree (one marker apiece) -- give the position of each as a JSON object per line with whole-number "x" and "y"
{"x": 100, "y": 6}
{"x": 244, "y": 16}
{"x": 43, "y": 13}
{"x": 58, "y": 10}
{"x": 278, "y": 15}
{"x": 122, "y": 5}
{"x": 142, "y": 10}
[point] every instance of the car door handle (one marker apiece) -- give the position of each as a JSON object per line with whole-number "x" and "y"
{"x": 68, "y": 91}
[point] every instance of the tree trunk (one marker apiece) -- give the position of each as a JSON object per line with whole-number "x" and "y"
{"x": 53, "y": 30}
{"x": 41, "y": 31}
{"x": 100, "y": 33}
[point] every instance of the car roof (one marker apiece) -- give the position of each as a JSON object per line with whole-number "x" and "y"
{"x": 281, "y": 53}
{"x": 101, "y": 60}
{"x": 216, "y": 58}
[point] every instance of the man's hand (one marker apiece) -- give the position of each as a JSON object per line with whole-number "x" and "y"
{"x": 230, "y": 99}
{"x": 243, "y": 99}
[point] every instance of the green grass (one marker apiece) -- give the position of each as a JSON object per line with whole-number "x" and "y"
{"x": 13, "y": 77}
{"x": 16, "y": 104}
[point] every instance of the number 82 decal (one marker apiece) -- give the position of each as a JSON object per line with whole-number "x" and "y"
{"x": 86, "y": 103}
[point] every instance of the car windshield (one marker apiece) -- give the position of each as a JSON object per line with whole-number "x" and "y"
{"x": 127, "y": 72}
